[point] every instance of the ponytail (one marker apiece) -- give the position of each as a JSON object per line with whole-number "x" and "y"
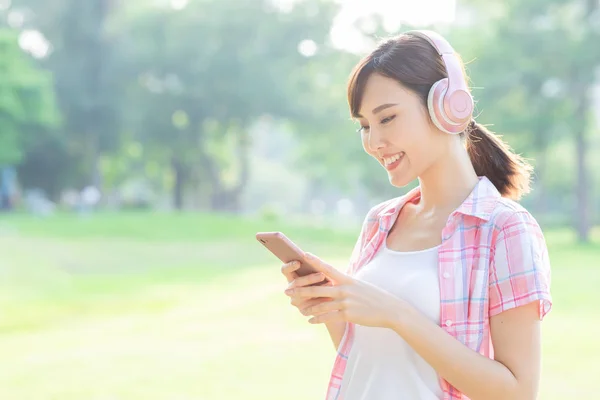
{"x": 494, "y": 159}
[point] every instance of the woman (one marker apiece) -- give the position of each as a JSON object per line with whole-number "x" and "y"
{"x": 447, "y": 285}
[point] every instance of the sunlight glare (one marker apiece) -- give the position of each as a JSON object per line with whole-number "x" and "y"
{"x": 307, "y": 48}
{"x": 15, "y": 19}
{"x": 179, "y": 4}
{"x": 393, "y": 14}
{"x": 35, "y": 43}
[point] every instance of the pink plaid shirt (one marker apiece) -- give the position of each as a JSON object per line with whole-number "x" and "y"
{"x": 493, "y": 257}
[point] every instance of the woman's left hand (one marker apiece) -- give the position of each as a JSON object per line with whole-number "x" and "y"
{"x": 352, "y": 300}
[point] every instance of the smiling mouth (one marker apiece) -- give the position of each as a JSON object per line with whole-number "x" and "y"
{"x": 392, "y": 162}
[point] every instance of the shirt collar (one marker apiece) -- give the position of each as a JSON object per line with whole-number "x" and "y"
{"x": 480, "y": 203}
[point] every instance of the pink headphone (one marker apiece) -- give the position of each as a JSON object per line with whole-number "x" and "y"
{"x": 450, "y": 103}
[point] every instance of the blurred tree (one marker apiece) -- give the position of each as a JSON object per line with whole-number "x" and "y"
{"x": 537, "y": 77}
{"x": 84, "y": 66}
{"x": 28, "y": 113}
{"x": 27, "y": 108}
{"x": 331, "y": 151}
{"x": 195, "y": 99}
{"x": 169, "y": 91}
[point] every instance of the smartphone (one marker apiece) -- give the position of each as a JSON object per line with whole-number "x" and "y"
{"x": 286, "y": 250}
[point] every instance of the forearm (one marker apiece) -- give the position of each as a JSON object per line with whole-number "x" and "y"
{"x": 336, "y": 331}
{"x": 478, "y": 377}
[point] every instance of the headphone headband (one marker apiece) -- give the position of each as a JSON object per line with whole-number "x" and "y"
{"x": 454, "y": 104}
{"x": 456, "y": 80}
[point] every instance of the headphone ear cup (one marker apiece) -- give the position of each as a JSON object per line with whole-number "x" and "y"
{"x": 460, "y": 106}
{"x": 434, "y": 100}
{"x": 435, "y": 105}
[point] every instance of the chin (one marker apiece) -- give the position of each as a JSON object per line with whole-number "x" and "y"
{"x": 401, "y": 181}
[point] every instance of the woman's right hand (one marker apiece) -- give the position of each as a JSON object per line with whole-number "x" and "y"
{"x": 294, "y": 281}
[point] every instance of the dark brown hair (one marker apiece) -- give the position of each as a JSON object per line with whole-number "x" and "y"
{"x": 415, "y": 64}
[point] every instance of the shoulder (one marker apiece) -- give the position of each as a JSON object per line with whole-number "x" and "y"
{"x": 388, "y": 207}
{"x": 392, "y": 205}
{"x": 371, "y": 221}
{"x": 370, "y": 226}
{"x": 517, "y": 236}
{"x": 384, "y": 207}
{"x": 509, "y": 215}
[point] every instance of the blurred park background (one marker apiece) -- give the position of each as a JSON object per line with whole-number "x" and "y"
{"x": 143, "y": 143}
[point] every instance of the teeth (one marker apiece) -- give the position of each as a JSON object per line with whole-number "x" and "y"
{"x": 389, "y": 160}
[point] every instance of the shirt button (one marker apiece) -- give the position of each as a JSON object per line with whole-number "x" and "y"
{"x": 446, "y": 275}
{"x": 448, "y": 323}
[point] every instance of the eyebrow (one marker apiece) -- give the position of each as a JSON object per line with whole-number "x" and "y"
{"x": 379, "y": 108}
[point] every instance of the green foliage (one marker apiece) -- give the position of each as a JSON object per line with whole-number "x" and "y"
{"x": 27, "y": 107}
{"x": 537, "y": 78}
{"x": 196, "y": 100}
{"x": 85, "y": 70}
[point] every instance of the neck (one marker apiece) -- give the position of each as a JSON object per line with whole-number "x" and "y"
{"x": 447, "y": 183}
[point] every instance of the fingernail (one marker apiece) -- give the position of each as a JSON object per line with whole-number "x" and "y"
{"x": 289, "y": 291}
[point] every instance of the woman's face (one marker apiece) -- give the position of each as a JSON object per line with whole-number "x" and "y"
{"x": 397, "y": 132}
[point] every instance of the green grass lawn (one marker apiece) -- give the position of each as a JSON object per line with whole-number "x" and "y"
{"x": 173, "y": 307}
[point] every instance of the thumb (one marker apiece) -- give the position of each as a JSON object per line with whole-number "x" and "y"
{"x": 327, "y": 269}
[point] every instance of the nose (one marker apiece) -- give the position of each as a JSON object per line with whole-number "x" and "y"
{"x": 375, "y": 140}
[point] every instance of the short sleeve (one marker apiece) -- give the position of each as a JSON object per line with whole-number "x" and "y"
{"x": 520, "y": 268}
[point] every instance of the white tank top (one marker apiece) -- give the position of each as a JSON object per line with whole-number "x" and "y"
{"x": 381, "y": 365}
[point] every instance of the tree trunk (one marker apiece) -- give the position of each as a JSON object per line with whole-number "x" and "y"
{"x": 93, "y": 155}
{"x": 96, "y": 75}
{"x": 178, "y": 187}
{"x": 541, "y": 201}
{"x": 223, "y": 198}
{"x": 243, "y": 156}
{"x": 581, "y": 113}
{"x": 209, "y": 169}
{"x": 230, "y": 200}
{"x": 583, "y": 189}
{"x": 96, "y": 171}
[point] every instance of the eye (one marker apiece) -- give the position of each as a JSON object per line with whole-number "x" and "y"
{"x": 363, "y": 129}
{"x": 387, "y": 120}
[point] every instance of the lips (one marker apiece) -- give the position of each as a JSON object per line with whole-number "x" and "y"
{"x": 388, "y": 160}
{"x": 391, "y": 161}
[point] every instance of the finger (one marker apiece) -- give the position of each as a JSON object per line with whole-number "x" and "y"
{"x": 307, "y": 304}
{"x": 302, "y": 303}
{"x": 327, "y": 317}
{"x": 323, "y": 307}
{"x": 327, "y": 269}
{"x": 288, "y": 270}
{"x": 307, "y": 280}
{"x": 314, "y": 291}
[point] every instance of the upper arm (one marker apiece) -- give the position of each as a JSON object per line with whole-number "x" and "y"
{"x": 516, "y": 337}
{"x": 519, "y": 299}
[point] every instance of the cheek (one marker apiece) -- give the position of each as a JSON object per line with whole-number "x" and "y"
{"x": 424, "y": 151}
{"x": 420, "y": 147}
